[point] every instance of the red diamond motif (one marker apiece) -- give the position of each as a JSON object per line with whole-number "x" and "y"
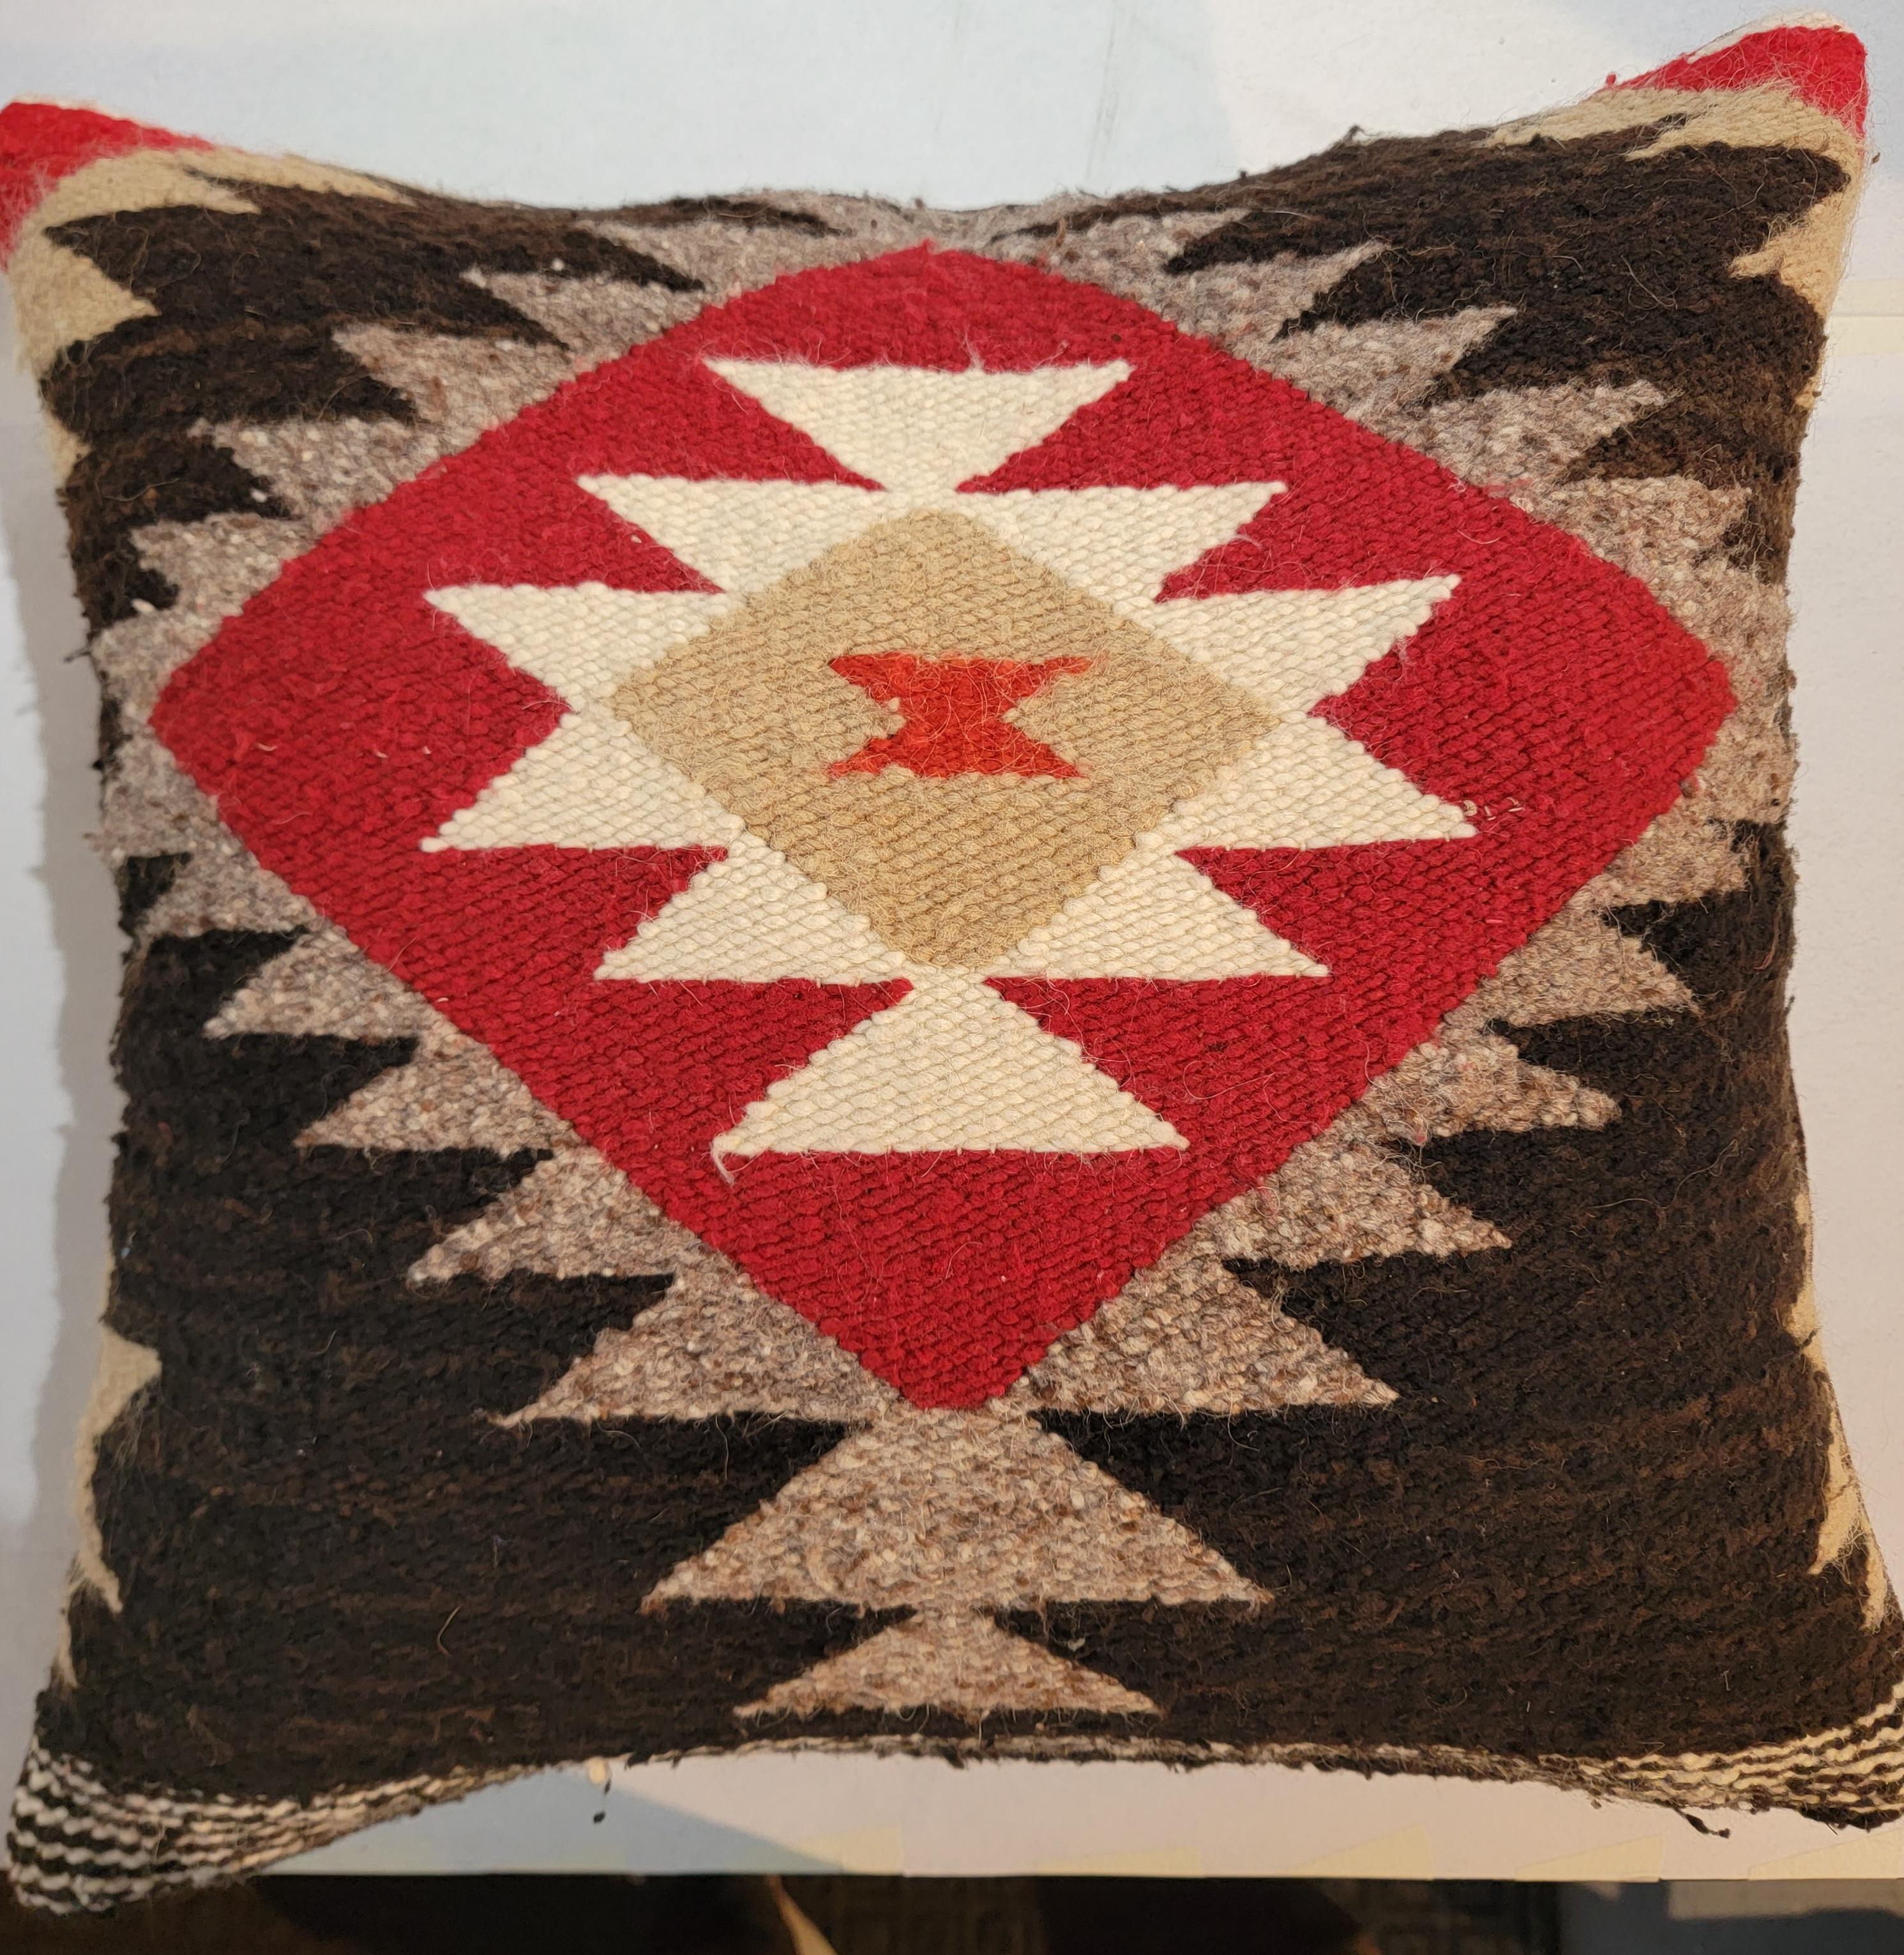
{"x": 341, "y": 719}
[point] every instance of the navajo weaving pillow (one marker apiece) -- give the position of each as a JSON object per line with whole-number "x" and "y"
{"x": 1000, "y": 982}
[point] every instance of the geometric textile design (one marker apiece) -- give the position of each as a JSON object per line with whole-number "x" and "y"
{"x": 993, "y": 982}
{"x": 555, "y": 732}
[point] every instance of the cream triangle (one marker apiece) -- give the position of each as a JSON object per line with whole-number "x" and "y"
{"x": 951, "y": 1067}
{"x": 938, "y": 1510}
{"x": 962, "y": 1662}
{"x": 753, "y": 918}
{"x": 919, "y": 430}
{"x": 1152, "y": 915}
{"x": 590, "y": 784}
{"x": 1306, "y": 785}
{"x": 581, "y": 641}
{"x": 1290, "y": 648}
{"x": 742, "y": 536}
{"x": 1118, "y": 543}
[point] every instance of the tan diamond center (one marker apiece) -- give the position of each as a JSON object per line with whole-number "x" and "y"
{"x": 949, "y": 871}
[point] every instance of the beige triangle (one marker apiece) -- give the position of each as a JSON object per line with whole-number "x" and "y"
{"x": 152, "y": 179}
{"x": 1846, "y": 1525}
{"x": 1376, "y": 373}
{"x": 1079, "y": 237}
{"x": 742, "y": 536}
{"x": 1845, "y": 1529}
{"x": 460, "y": 386}
{"x": 952, "y": 1066}
{"x": 1338, "y": 1198}
{"x": 216, "y": 566}
{"x": 1291, "y": 648}
{"x": 714, "y": 1348}
{"x": 939, "y": 1510}
{"x": 575, "y": 1215}
{"x": 581, "y": 641}
{"x": 1185, "y": 1336}
{"x": 221, "y": 887}
{"x": 1578, "y": 965}
{"x": 122, "y": 1371}
{"x": 1516, "y": 435}
{"x": 146, "y": 180}
{"x": 65, "y": 449}
{"x": 963, "y": 1662}
{"x": 1466, "y": 1079}
{"x": 1244, "y": 307}
{"x": 322, "y": 469}
{"x": 1768, "y": 116}
{"x": 1685, "y": 856}
{"x": 1306, "y": 785}
{"x": 221, "y": 563}
{"x": 919, "y": 430}
{"x": 286, "y": 172}
{"x": 729, "y": 258}
{"x": 150, "y": 805}
{"x": 598, "y": 318}
{"x": 1650, "y": 526}
{"x": 752, "y": 918}
{"x": 453, "y": 1094}
{"x": 1152, "y": 915}
{"x": 1119, "y": 544}
{"x": 1807, "y": 255}
{"x": 590, "y": 784}
{"x": 324, "y": 987}
{"x": 61, "y": 298}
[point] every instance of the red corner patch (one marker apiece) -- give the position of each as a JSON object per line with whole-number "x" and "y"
{"x": 372, "y": 743}
{"x": 41, "y": 142}
{"x": 1823, "y": 64}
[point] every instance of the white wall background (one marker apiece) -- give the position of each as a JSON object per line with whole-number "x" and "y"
{"x": 959, "y": 102}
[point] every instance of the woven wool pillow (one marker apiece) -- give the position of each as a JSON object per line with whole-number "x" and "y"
{"x": 997, "y": 983}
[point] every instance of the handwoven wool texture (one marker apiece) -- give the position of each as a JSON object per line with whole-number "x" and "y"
{"x": 1000, "y": 982}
